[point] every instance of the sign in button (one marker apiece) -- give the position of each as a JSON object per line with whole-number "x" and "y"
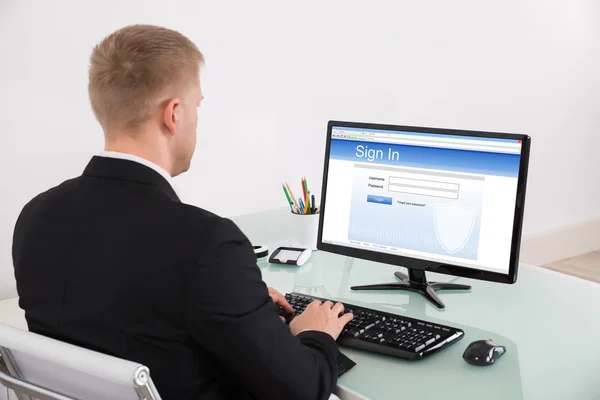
{"x": 379, "y": 199}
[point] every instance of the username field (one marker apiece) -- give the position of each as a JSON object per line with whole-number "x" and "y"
{"x": 422, "y": 183}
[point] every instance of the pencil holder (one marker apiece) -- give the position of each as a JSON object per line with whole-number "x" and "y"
{"x": 306, "y": 228}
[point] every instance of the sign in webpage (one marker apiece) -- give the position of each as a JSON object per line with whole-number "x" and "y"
{"x": 434, "y": 212}
{"x": 440, "y": 198}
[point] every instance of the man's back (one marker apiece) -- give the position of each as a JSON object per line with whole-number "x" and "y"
{"x": 113, "y": 261}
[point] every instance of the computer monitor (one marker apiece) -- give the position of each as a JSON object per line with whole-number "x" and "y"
{"x": 428, "y": 199}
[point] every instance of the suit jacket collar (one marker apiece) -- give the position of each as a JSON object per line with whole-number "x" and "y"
{"x": 127, "y": 170}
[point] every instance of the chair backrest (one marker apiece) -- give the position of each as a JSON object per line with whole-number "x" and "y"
{"x": 48, "y": 369}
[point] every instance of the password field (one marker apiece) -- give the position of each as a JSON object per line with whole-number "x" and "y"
{"x": 423, "y": 191}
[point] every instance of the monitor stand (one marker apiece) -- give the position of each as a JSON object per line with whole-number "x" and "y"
{"x": 416, "y": 282}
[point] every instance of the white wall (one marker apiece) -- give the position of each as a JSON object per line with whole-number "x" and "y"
{"x": 278, "y": 71}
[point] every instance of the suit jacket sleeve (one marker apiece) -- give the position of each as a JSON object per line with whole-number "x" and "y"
{"x": 230, "y": 313}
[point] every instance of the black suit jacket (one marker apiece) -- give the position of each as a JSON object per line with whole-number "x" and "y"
{"x": 114, "y": 262}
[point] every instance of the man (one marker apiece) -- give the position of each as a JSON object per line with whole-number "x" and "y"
{"x": 113, "y": 261}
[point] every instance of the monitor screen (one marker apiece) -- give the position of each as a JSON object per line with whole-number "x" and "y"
{"x": 444, "y": 198}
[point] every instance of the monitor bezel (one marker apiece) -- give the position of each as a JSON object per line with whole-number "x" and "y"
{"x": 427, "y": 265}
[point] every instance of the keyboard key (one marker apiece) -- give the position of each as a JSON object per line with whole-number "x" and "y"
{"x": 405, "y": 346}
{"x": 427, "y": 343}
{"x": 352, "y": 332}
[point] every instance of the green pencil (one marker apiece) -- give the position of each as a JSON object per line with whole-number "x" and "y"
{"x": 288, "y": 197}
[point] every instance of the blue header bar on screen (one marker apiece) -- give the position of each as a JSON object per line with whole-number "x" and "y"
{"x": 423, "y": 134}
{"x": 469, "y": 161}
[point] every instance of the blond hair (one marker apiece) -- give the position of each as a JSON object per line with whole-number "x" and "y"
{"x": 132, "y": 69}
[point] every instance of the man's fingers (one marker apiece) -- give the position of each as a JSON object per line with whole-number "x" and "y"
{"x": 315, "y": 303}
{"x": 287, "y": 307}
{"x": 346, "y": 318}
{"x": 280, "y": 300}
{"x": 328, "y": 304}
{"x": 282, "y": 319}
{"x": 338, "y": 308}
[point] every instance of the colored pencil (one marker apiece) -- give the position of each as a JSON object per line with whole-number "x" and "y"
{"x": 288, "y": 197}
{"x": 303, "y": 190}
{"x": 293, "y": 198}
{"x": 305, "y": 186}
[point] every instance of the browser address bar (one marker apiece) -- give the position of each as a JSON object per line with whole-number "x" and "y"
{"x": 440, "y": 144}
{"x": 410, "y": 138}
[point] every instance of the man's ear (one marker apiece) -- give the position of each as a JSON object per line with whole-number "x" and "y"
{"x": 171, "y": 114}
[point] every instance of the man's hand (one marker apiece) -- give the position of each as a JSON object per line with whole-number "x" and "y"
{"x": 280, "y": 300}
{"x": 322, "y": 317}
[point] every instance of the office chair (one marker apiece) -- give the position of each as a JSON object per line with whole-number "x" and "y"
{"x": 37, "y": 367}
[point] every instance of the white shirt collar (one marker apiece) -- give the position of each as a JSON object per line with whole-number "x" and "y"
{"x": 143, "y": 161}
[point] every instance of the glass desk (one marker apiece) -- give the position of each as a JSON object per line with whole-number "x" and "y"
{"x": 549, "y": 323}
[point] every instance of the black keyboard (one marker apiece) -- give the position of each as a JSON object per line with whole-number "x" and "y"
{"x": 385, "y": 333}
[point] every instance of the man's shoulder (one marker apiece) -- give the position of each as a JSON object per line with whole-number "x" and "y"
{"x": 53, "y": 192}
{"x": 180, "y": 217}
{"x": 212, "y": 237}
{"x": 207, "y": 223}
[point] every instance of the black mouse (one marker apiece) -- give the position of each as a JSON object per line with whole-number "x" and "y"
{"x": 483, "y": 352}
